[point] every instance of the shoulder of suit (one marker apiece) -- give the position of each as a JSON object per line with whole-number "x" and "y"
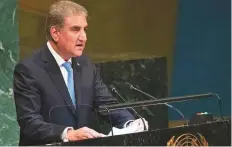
{"x": 84, "y": 60}
{"x": 83, "y": 57}
{"x": 36, "y": 55}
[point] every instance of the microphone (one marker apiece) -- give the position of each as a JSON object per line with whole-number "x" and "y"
{"x": 219, "y": 104}
{"x": 154, "y": 102}
{"x": 57, "y": 112}
{"x": 150, "y": 96}
{"x": 113, "y": 88}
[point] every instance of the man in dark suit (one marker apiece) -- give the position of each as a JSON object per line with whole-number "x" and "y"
{"x": 57, "y": 88}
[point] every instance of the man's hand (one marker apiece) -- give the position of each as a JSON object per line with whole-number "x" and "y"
{"x": 82, "y": 133}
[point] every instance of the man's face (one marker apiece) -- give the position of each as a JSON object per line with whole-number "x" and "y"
{"x": 71, "y": 38}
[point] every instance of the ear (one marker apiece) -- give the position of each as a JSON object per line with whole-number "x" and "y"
{"x": 54, "y": 31}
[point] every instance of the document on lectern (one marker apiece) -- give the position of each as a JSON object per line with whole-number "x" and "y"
{"x": 134, "y": 127}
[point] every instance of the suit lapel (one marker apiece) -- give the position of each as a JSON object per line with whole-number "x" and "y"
{"x": 77, "y": 78}
{"x": 55, "y": 74}
{"x": 81, "y": 108}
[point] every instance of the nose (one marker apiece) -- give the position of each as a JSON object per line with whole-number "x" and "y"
{"x": 83, "y": 36}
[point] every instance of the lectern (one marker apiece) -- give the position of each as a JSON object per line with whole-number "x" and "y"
{"x": 214, "y": 133}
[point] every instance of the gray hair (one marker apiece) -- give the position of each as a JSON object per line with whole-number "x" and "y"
{"x": 58, "y": 11}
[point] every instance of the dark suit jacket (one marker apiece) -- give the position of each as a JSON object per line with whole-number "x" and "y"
{"x": 43, "y": 105}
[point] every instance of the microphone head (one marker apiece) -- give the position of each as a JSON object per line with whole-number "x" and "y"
{"x": 112, "y": 87}
{"x": 129, "y": 85}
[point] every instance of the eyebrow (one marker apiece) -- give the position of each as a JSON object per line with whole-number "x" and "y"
{"x": 77, "y": 27}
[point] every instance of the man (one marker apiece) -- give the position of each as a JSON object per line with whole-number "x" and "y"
{"x": 56, "y": 88}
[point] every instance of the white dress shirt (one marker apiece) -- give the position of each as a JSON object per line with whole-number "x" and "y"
{"x": 60, "y": 61}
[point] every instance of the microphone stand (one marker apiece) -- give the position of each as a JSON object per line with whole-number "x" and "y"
{"x": 168, "y": 105}
{"x": 112, "y": 87}
{"x": 153, "y": 102}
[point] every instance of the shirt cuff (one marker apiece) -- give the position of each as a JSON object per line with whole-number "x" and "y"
{"x": 127, "y": 123}
{"x": 64, "y": 134}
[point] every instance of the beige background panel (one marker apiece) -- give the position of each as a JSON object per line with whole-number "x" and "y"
{"x": 118, "y": 29}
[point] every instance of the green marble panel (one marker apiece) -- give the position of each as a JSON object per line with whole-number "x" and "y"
{"x": 9, "y": 51}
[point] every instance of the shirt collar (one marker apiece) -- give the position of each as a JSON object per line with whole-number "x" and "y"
{"x": 60, "y": 61}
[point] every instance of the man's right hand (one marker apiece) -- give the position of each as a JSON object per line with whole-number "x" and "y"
{"x": 83, "y": 133}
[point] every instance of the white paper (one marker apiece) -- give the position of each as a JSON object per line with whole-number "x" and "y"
{"x": 134, "y": 127}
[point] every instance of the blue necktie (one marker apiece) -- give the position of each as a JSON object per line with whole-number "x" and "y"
{"x": 70, "y": 83}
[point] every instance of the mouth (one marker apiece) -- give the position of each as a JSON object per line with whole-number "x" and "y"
{"x": 80, "y": 45}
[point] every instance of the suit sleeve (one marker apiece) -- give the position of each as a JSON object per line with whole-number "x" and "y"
{"x": 103, "y": 96}
{"x": 27, "y": 97}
